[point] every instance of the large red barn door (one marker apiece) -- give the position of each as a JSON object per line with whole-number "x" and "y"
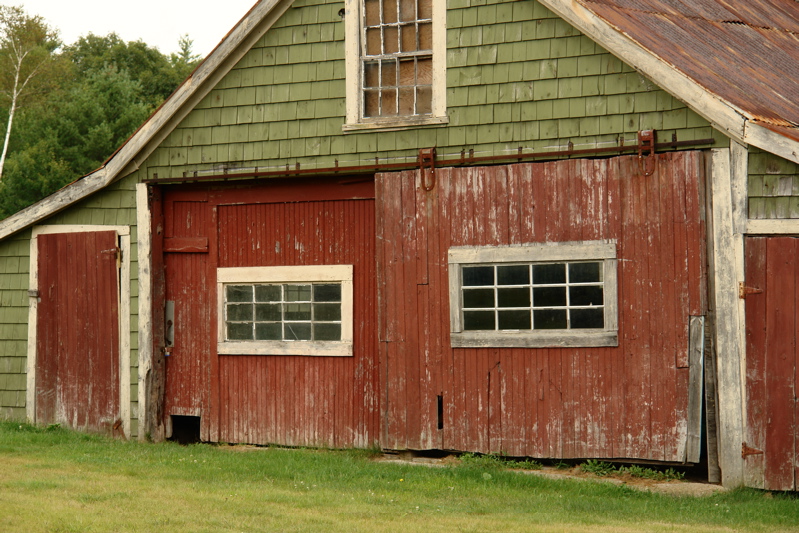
{"x": 770, "y": 452}
{"x": 77, "y": 330}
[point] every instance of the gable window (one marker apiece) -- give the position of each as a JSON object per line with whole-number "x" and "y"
{"x": 298, "y": 310}
{"x": 561, "y": 294}
{"x": 395, "y": 63}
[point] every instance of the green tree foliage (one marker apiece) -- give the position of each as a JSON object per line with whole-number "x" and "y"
{"x": 106, "y": 89}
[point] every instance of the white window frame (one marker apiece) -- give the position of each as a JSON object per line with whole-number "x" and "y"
{"x": 355, "y": 121}
{"x": 287, "y": 274}
{"x": 604, "y": 251}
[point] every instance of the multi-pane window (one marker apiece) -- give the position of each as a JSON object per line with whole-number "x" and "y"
{"x": 533, "y": 296}
{"x": 283, "y": 312}
{"x": 397, "y": 57}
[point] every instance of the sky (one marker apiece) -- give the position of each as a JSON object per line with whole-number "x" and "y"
{"x": 159, "y": 23}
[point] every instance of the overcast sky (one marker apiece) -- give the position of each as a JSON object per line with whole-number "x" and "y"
{"x": 159, "y": 23}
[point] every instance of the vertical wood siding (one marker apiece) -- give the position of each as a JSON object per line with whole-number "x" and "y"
{"x": 77, "y": 363}
{"x": 629, "y": 401}
{"x": 772, "y": 265}
{"x": 291, "y": 400}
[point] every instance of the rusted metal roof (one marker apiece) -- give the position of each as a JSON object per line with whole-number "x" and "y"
{"x": 745, "y": 52}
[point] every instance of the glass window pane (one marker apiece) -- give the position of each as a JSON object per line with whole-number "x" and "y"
{"x": 584, "y": 272}
{"x": 388, "y": 102}
{"x": 297, "y": 332}
{"x": 327, "y": 332}
{"x": 374, "y": 45}
{"x": 327, "y": 293}
{"x": 426, "y": 36}
{"x": 516, "y": 297}
{"x": 389, "y": 11}
{"x": 267, "y": 293}
{"x": 424, "y": 71}
{"x": 586, "y": 295}
{"x": 371, "y": 74}
{"x": 372, "y": 12}
{"x": 514, "y": 319}
{"x": 549, "y": 296}
{"x": 544, "y": 274}
{"x": 326, "y": 312}
{"x": 408, "y": 34}
{"x": 406, "y": 103}
{"x": 549, "y": 319}
{"x": 407, "y": 72}
{"x": 371, "y": 103}
{"x": 239, "y": 312}
{"x": 239, "y": 332}
{"x": 425, "y": 9}
{"x": 587, "y": 318}
{"x": 476, "y": 320}
{"x": 407, "y": 10}
{"x": 391, "y": 39}
{"x": 389, "y": 73}
{"x": 478, "y": 298}
{"x": 297, "y": 293}
{"x": 513, "y": 275}
{"x": 424, "y": 100}
{"x": 478, "y": 276}
{"x": 296, "y": 311}
{"x": 267, "y": 312}
{"x": 269, "y": 331}
{"x": 238, "y": 293}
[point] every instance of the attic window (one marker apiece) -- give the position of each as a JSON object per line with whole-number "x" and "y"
{"x": 395, "y": 63}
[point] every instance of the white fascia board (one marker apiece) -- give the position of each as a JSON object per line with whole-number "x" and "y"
{"x": 136, "y": 149}
{"x": 723, "y": 115}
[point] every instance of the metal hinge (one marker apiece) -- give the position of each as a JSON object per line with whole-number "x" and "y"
{"x": 646, "y": 152}
{"x": 427, "y": 162}
{"x": 746, "y": 450}
{"x": 117, "y": 253}
{"x": 744, "y": 291}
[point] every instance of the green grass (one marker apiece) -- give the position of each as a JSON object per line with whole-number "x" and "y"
{"x": 60, "y": 481}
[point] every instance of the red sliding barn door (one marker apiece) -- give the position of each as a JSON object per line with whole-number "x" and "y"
{"x": 77, "y": 331}
{"x": 770, "y": 450}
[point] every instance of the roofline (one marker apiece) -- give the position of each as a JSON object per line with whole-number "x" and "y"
{"x": 143, "y": 142}
{"x": 722, "y": 114}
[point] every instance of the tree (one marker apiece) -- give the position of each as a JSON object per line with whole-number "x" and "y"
{"x": 27, "y": 51}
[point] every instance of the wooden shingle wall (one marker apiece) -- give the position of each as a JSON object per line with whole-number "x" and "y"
{"x": 116, "y": 206}
{"x": 773, "y": 186}
{"x": 517, "y": 76}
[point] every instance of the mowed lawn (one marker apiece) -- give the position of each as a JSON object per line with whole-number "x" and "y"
{"x": 57, "y": 480}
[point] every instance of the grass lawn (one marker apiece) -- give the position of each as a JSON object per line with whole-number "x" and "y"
{"x": 56, "y": 480}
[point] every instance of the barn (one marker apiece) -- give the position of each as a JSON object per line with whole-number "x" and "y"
{"x": 544, "y": 228}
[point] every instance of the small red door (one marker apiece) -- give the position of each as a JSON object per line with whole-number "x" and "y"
{"x": 770, "y": 453}
{"x": 77, "y": 331}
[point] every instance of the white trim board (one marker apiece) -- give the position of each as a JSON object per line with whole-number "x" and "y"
{"x": 123, "y": 305}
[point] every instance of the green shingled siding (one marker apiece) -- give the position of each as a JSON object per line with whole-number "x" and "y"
{"x": 115, "y": 206}
{"x": 773, "y": 186}
{"x": 517, "y": 76}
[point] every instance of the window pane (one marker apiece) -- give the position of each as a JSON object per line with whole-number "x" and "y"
{"x": 267, "y": 312}
{"x": 389, "y": 11}
{"x": 473, "y": 320}
{"x": 371, "y": 74}
{"x": 513, "y": 275}
{"x": 517, "y": 297}
{"x": 544, "y": 274}
{"x": 406, "y": 103}
{"x": 587, "y": 318}
{"x": 425, "y": 9}
{"x": 372, "y": 12}
{"x": 389, "y": 73}
{"x": 390, "y": 40}
{"x": 373, "y": 42}
{"x": 238, "y": 293}
{"x": 478, "y": 276}
{"x": 586, "y": 295}
{"x": 478, "y": 298}
{"x": 297, "y": 332}
{"x": 584, "y": 272}
{"x": 549, "y": 296}
{"x": 550, "y": 319}
{"x": 424, "y": 71}
{"x": 371, "y": 103}
{"x": 239, "y": 312}
{"x": 426, "y": 36}
{"x": 297, "y": 293}
{"x": 267, "y": 293}
{"x": 514, "y": 319}
{"x": 407, "y": 10}
{"x": 424, "y": 100}
{"x": 327, "y": 332}
{"x": 327, "y": 312}
{"x": 408, "y": 33}
{"x": 327, "y": 293}
{"x": 388, "y": 102}
{"x": 239, "y": 332}
{"x": 407, "y": 72}
{"x": 296, "y": 311}
{"x": 268, "y": 332}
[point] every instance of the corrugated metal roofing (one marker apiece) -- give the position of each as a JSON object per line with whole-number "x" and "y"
{"x": 744, "y": 51}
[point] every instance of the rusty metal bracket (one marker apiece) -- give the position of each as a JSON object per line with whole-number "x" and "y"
{"x": 427, "y": 160}
{"x": 646, "y": 152}
{"x": 747, "y": 450}
{"x": 744, "y": 291}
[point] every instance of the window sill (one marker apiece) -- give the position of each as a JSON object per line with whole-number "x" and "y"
{"x": 307, "y": 348}
{"x": 396, "y": 123}
{"x": 534, "y": 339}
